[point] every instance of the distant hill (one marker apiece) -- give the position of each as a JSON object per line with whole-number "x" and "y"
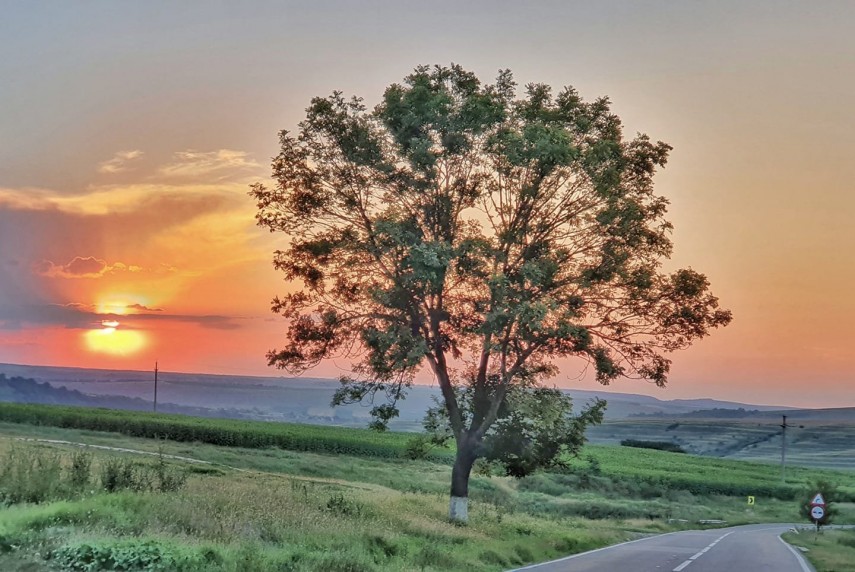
{"x": 819, "y": 437}
{"x": 305, "y": 399}
{"x": 26, "y": 390}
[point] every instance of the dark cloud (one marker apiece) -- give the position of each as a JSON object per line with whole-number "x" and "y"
{"x": 82, "y": 316}
{"x": 69, "y": 316}
{"x": 86, "y": 267}
{"x": 89, "y": 265}
{"x": 78, "y": 267}
{"x": 142, "y": 308}
{"x": 212, "y": 321}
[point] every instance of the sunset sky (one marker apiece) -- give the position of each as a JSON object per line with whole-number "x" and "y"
{"x": 129, "y": 133}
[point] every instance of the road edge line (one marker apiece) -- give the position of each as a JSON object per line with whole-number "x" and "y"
{"x": 803, "y": 562}
{"x": 577, "y": 555}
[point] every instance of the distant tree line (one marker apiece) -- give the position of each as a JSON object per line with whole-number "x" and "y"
{"x": 659, "y": 445}
{"x": 715, "y": 413}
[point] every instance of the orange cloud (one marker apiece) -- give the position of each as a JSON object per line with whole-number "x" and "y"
{"x": 170, "y": 250}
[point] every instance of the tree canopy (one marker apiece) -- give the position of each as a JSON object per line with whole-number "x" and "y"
{"x": 484, "y": 235}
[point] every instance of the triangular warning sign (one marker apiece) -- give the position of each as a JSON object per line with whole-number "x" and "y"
{"x": 818, "y": 500}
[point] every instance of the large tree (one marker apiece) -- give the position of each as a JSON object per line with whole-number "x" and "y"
{"x": 483, "y": 235}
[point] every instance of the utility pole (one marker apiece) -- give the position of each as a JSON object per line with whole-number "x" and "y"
{"x": 155, "y": 388}
{"x": 784, "y": 449}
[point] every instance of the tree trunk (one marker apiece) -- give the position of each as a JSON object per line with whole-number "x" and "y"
{"x": 458, "y": 508}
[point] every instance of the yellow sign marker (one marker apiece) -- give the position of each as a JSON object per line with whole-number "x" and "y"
{"x": 750, "y": 500}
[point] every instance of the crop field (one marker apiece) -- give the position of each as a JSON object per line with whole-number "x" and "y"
{"x": 707, "y": 475}
{"x": 225, "y": 432}
{"x": 306, "y": 505}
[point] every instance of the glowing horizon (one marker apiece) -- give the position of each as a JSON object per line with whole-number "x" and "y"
{"x": 123, "y": 198}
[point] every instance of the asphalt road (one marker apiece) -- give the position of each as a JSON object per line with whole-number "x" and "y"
{"x": 751, "y": 548}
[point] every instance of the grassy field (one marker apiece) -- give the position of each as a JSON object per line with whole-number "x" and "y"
{"x": 269, "y": 508}
{"x": 831, "y": 550}
{"x": 809, "y": 444}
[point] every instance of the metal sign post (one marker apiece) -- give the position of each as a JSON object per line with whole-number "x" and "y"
{"x": 818, "y": 512}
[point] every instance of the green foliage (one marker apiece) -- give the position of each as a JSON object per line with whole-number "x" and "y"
{"x": 830, "y": 493}
{"x": 36, "y": 475}
{"x": 432, "y": 557}
{"x": 658, "y": 445}
{"x": 535, "y": 428}
{"x": 484, "y": 236}
{"x": 831, "y": 551}
{"x": 344, "y": 506}
{"x": 378, "y": 205}
{"x": 148, "y": 556}
{"x": 539, "y": 430}
{"x": 81, "y": 468}
{"x": 664, "y": 471}
{"x": 31, "y": 476}
{"x": 118, "y": 474}
{"x": 124, "y": 474}
{"x": 391, "y": 519}
{"x": 418, "y": 447}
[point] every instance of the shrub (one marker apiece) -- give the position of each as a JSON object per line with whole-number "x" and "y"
{"x": 432, "y": 557}
{"x": 846, "y": 538}
{"x": 418, "y": 447}
{"x": 339, "y": 504}
{"x": 30, "y": 475}
{"x": 81, "y": 466}
{"x": 493, "y": 557}
{"x": 167, "y": 478}
{"x": 830, "y": 495}
{"x": 381, "y": 548}
{"x": 118, "y": 474}
{"x": 123, "y": 474}
{"x": 136, "y": 555}
{"x": 344, "y": 562}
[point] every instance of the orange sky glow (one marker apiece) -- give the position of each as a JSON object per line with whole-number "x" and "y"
{"x": 129, "y": 136}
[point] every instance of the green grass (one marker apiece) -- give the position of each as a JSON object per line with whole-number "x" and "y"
{"x": 809, "y": 443}
{"x": 227, "y": 520}
{"x": 711, "y": 476}
{"x": 271, "y": 508}
{"x": 832, "y": 550}
{"x": 225, "y": 432}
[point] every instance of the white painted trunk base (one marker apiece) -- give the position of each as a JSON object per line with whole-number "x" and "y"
{"x": 458, "y": 509}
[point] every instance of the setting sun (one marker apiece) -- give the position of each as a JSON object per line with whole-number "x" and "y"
{"x": 110, "y": 340}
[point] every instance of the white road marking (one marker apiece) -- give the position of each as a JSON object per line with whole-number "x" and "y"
{"x": 799, "y": 557}
{"x": 702, "y": 552}
{"x": 572, "y": 556}
{"x": 805, "y": 567}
